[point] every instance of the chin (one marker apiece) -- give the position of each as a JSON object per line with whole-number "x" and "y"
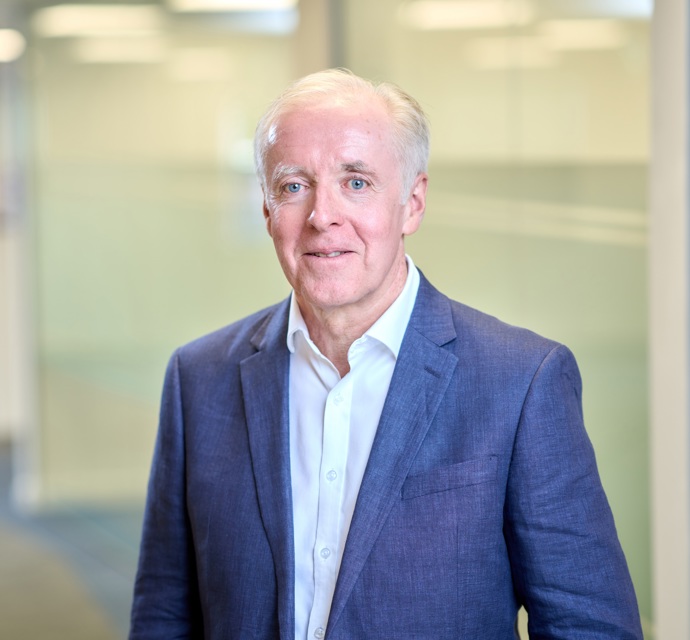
{"x": 329, "y": 300}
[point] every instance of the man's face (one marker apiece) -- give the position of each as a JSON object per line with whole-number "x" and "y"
{"x": 334, "y": 208}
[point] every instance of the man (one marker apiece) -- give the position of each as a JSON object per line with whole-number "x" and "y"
{"x": 369, "y": 459}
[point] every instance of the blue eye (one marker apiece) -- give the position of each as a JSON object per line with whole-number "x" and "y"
{"x": 357, "y": 184}
{"x": 293, "y": 187}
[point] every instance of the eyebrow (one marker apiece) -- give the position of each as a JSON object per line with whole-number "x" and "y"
{"x": 357, "y": 166}
{"x": 285, "y": 172}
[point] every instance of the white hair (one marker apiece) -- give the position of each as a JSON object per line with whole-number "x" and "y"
{"x": 340, "y": 86}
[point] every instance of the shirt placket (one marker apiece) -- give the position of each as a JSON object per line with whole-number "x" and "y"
{"x": 328, "y": 545}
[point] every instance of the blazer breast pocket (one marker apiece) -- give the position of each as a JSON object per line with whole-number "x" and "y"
{"x": 462, "y": 474}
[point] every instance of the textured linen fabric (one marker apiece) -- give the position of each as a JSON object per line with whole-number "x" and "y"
{"x": 480, "y": 494}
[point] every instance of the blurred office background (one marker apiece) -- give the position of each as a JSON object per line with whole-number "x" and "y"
{"x": 130, "y": 223}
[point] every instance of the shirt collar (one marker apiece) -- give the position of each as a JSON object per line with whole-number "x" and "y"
{"x": 296, "y": 323}
{"x": 389, "y": 329}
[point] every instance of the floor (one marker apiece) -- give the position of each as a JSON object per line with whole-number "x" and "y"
{"x": 68, "y": 574}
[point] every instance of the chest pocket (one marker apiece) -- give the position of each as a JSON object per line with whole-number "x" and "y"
{"x": 463, "y": 474}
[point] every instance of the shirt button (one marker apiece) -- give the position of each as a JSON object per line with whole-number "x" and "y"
{"x": 337, "y": 399}
{"x": 331, "y": 475}
{"x": 319, "y": 633}
{"x": 325, "y": 552}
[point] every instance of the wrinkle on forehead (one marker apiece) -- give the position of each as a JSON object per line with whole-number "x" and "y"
{"x": 357, "y": 108}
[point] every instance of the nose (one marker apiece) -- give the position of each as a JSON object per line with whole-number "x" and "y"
{"x": 325, "y": 211}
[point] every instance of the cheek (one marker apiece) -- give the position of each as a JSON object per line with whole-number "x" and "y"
{"x": 284, "y": 234}
{"x": 275, "y": 223}
{"x": 386, "y": 229}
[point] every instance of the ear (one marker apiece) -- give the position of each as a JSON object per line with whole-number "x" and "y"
{"x": 267, "y": 218}
{"x": 415, "y": 205}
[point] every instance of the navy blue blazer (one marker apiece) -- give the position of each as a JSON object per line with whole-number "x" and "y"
{"x": 481, "y": 494}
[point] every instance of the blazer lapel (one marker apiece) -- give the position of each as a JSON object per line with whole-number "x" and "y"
{"x": 265, "y": 387}
{"x": 421, "y": 377}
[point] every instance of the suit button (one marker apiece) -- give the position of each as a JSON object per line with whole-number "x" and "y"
{"x": 319, "y": 633}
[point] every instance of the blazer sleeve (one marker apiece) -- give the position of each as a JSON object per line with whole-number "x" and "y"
{"x": 166, "y": 602}
{"x": 568, "y": 568}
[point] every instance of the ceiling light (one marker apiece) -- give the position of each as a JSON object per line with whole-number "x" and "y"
{"x": 232, "y": 5}
{"x": 87, "y": 20}
{"x": 12, "y": 45}
{"x": 120, "y": 51}
{"x": 630, "y": 9}
{"x": 465, "y": 14}
{"x": 200, "y": 64}
{"x": 583, "y": 34}
{"x": 500, "y": 53}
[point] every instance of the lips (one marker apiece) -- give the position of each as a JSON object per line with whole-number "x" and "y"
{"x": 329, "y": 254}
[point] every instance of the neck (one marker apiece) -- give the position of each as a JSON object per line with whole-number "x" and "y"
{"x": 334, "y": 334}
{"x": 333, "y": 330}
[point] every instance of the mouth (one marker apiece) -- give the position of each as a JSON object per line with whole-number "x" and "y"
{"x": 332, "y": 254}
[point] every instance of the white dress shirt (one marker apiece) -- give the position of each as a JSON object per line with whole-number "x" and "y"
{"x": 333, "y": 421}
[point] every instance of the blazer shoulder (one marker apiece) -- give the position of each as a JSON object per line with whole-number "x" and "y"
{"x": 470, "y": 328}
{"x": 478, "y": 327}
{"x": 239, "y": 339}
{"x": 489, "y": 343}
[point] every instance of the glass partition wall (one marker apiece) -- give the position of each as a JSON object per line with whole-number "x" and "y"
{"x": 147, "y": 224}
{"x": 149, "y": 229}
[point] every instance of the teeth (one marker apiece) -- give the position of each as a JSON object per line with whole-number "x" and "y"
{"x": 329, "y": 255}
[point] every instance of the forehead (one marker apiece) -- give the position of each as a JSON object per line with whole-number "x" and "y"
{"x": 332, "y": 129}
